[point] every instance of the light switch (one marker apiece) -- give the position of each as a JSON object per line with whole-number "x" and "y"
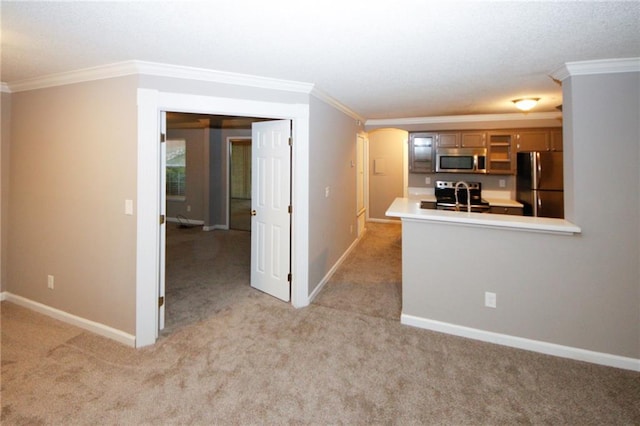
{"x": 128, "y": 207}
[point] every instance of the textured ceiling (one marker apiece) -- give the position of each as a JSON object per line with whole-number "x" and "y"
{"x": 382, "y": 59}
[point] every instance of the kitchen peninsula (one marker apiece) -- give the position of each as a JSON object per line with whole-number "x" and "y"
{"x": 485, "y": 276}
{"x": 409, "y": 208}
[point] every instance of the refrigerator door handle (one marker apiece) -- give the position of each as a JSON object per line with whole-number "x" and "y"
{"x": 539, "y": 170}
{"x": 539, "y": 211}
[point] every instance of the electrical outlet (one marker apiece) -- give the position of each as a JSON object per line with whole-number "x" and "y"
{"x": 188, "y": 208}
{"x": 502, "y": 183}
{"x": 489, "y": 299}
{"x": 427, "y": 180}
{"x": 50, "y": 281}
{"x": 327, "y": 190}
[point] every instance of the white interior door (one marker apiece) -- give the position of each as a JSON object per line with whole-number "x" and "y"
{"x": 163, "y": 214}
{"x": 271, "y": 199}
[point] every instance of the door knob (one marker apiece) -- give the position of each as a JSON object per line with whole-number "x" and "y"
{"x": 253, "y": 213}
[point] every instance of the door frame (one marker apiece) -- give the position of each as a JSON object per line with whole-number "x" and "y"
{"x": 230, "y": 140}
{"x": 150, "y": 104}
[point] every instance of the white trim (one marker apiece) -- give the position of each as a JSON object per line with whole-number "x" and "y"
{"x": 204, "y": 74}
{"x": 333, "y": 269}
{"x": 602, "y": 66}
{"x": 189, "y": 221}
{"x": 133, "y": 67}
{"x": 3, "y": 296}
{"x": 94, "y": 327}
{"x": 336, "y": 104}
{"x": 125, "y": 68}
{"x": 578, "y": 354}
{"x": 477, "y": 118}
{"x": 4, "y": 87}
{"x": 118, "y": 69}
{"x": 147, "y": 231}
{"x": 214, "y": 227}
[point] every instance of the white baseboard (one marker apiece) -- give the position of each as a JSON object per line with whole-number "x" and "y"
{"x": 187, "y": 221}
{"x": 336, "y": 265}
{"x": 522, "y": 343}
{"x": 214, "y": 227}
{"x": 83, "y": 323}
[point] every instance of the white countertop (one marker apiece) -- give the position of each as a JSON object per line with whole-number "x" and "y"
{"x": 409, "y": 208}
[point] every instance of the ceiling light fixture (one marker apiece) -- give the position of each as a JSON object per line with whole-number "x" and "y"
{"x": 525, "y": 104}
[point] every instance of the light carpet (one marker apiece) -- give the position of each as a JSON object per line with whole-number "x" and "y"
{"x": 256, "y": 360}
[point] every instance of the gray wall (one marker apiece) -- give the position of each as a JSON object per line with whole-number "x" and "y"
{"x": 385, "y": 185}
{"x": 581, "y": 291}
{"x": 5, "y": 137}
{"x": 332, "y": 221}
{"x": 73, "y": 165}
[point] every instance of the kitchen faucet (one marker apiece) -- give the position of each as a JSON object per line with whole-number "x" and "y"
{"x": 466, "y": 185}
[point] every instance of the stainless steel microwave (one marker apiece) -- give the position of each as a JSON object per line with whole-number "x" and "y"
{"x": 461, "y": 160}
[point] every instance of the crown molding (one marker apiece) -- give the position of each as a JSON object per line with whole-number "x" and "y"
{"x": 464, "y": 118}
{"x": 203, "y": 74}
{"x": 121, "y": 69}
{"x": 336, "y": 104}
{"x": 118, "y": 69}
{"x": 4, "y": 87}
{"x": 602, "y": 66}
{"x": 126, "y": 68}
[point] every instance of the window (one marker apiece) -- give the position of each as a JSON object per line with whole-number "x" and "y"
{"x": 176, "y": 168}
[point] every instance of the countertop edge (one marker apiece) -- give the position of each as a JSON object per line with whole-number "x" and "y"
{"x": 405, "y": 208}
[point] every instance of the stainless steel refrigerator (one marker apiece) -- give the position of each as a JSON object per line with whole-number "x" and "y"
{"x": 539, "y": 184}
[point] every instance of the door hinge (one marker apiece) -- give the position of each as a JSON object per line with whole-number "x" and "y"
{"x": 163, "y": 137}
{"x": 289, "y": 277}
{"x": 160, "y": 301}
{"x": 290, "y": 141}
{"x": 290, "y": 209}
{"x": 161, "y": 219}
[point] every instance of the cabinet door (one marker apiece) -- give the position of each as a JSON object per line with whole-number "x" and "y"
{"x": 501, "y": 153}
{"x": 556, "y": 140}
{"x": 421, "y": 152}
{"x": 473, "y": 140}
{"x": 533, "y": 140}
{"x": 516, "y": 211}
{"x": 448, "y": 140}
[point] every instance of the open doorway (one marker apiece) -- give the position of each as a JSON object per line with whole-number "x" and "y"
{"x": 151, "y": 104}
{"x": 207, "y": 259}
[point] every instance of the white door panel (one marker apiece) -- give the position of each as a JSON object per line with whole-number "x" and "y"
{"x": 271, "y": 221}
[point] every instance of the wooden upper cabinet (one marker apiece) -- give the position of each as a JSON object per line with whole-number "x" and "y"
{"x": 448, "y": 140}
{"x": 501, "y": 155}
{"x": 556, "y": 140}
{"x": 421, "y": 152}
{"x": 532, "y": 140}
{"x": 462, "y": 140}
{"x": 473, "y": 139}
